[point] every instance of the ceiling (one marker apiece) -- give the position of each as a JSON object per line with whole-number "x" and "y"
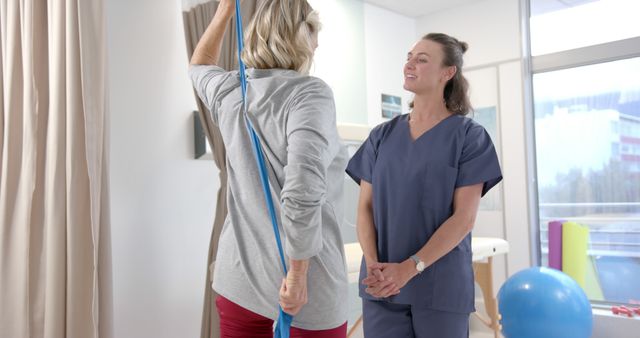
{"x": 418, "y": 8}
{"x": 544, "y": 6}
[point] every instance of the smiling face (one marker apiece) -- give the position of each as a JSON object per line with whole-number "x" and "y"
{"x": 424, "y": 70}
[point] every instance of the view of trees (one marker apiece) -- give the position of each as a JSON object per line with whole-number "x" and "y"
{"x": 615, "y": 183}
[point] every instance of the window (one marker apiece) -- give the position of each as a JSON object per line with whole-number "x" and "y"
{"x": 583, "y": 177}
{"x": 587, "y": 138}
{"x": 562, "y": 25}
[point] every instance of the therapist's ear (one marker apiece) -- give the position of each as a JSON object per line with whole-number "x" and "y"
{"x": 449, "y": 73}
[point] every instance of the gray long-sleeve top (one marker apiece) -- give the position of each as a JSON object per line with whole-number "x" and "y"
{"x": 294, "y": 116}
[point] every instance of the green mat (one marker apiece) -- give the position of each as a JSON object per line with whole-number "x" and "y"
{"x": 592, "y": 282}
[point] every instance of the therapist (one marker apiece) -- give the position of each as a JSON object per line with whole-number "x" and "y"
{"x": 421, "y": 178}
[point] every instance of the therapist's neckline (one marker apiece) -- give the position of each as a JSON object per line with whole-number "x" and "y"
{"x": 437, "y": 121}
{"x": 425, "y": 132}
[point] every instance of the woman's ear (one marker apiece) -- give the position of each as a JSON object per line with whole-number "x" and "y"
{"x": 449, "y": 73}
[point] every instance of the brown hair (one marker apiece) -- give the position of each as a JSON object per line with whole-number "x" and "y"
{"x": 456, "y": 90}
{"x": 279, "y": 36}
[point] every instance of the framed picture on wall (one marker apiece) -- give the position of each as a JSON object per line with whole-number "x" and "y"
{"x": 391, "y": 106}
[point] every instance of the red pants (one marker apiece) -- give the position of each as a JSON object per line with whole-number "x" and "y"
{"x": 238, "y": 322}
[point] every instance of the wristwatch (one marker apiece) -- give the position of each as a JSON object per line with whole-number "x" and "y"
{"x": 420, "y": 266}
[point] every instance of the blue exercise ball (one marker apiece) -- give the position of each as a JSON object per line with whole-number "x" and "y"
{"x": 542, "y": 302}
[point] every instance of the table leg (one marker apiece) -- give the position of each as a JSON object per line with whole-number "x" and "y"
{"x": 484, "y": 278}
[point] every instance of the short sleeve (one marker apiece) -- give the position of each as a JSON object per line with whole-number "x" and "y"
{"x": 361, "y": 165}
{"x": 209, "y": 82}
{"x": 479, "y": 160}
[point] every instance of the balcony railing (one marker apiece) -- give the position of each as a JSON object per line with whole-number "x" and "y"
{"x": 611, "y": 233}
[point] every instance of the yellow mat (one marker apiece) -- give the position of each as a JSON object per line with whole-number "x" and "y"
{"x": 574, "y": 251}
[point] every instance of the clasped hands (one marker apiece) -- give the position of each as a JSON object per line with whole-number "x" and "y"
{"x": 386, "y": 279}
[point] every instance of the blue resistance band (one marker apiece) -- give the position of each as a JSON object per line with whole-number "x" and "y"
{"x": 284, "y": 319}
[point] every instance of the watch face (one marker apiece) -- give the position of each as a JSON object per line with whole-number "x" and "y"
{"x": 420, "y": 266}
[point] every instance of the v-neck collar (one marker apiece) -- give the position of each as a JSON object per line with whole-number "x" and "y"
{"x": 408, "y": 128}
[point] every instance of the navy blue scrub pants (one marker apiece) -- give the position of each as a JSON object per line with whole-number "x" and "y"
{"x": 386, "y": 320}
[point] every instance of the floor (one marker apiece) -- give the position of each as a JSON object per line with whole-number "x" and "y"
{"x": 480, "y": 335}
{"x": 359, "y": 334}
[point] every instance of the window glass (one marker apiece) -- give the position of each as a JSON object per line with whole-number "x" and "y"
{"x": 587, "y": 139}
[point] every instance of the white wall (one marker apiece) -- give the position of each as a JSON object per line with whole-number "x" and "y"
{"x": 389, "y": 36}
{"x": 361, "y": 54}
{"x": 162, "y": 200}
{"x": 491, "y": 27}
{"x": 339, "y": 59}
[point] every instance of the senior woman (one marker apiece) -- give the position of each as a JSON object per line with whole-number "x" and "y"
{"x": 294, "y": 116}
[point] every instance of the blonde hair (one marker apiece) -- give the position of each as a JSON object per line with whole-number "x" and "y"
{"x": 280, "y": 36}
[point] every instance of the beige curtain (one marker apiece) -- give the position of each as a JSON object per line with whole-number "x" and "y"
{"x": 55, "y": 269}
{"x": 196, "y": 19}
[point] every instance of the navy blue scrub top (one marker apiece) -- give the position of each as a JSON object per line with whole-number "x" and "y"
{"x": 413, "y": 184}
